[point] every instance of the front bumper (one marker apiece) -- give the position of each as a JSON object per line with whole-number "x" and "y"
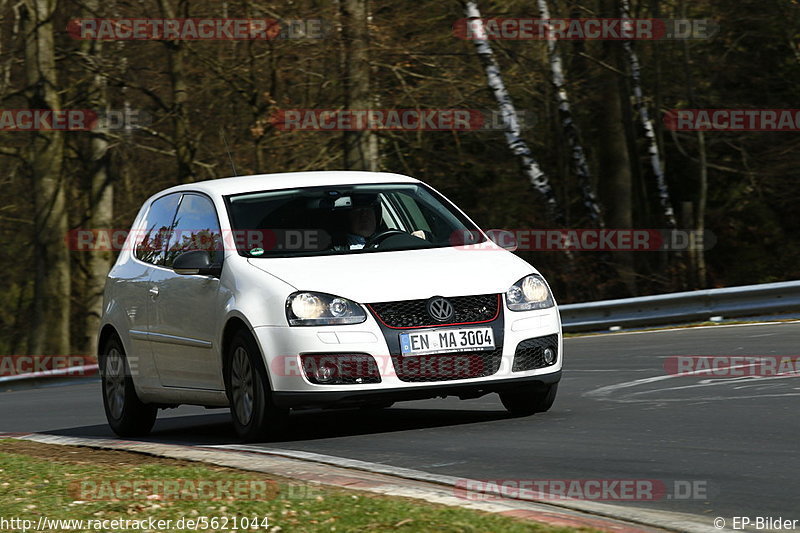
{"x": 464, "y": 391}
{"x": 281, "y": 346}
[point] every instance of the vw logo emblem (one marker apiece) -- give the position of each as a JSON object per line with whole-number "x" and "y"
{"x": 440, "y": 309}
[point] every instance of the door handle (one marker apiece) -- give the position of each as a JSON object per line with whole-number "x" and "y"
{"x": 153, "y": 292}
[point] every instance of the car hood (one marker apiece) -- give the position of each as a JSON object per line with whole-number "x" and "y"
{"x": 401, "y": 275}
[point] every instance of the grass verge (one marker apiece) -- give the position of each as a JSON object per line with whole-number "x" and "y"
{"x": 75, "y": 483}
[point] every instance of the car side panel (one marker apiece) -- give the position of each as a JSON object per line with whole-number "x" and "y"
{"x": 125, "y": 309}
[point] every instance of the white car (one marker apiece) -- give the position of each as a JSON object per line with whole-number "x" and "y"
{"x": 276, "y": 292}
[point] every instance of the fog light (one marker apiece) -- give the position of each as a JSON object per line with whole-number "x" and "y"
{"x": 323, "y": 373}
{"x": 549, "y": 355}
{"x": 340, "y": 368}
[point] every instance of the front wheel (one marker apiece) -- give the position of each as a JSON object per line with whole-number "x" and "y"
{"x": 529, "y": 400}
{"x": 255, "y": 417}
{"x": 127, "y": 415}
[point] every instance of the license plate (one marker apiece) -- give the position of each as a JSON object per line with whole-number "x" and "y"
{"x": 446, "y": 340}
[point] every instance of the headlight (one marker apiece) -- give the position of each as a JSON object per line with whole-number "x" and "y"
{"x": 529, "y": 293}
{"x": 319, "y": 309}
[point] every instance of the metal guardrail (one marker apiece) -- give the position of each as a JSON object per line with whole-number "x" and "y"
{"x": 673, "y": 308}
{"x": 751, "y": 300}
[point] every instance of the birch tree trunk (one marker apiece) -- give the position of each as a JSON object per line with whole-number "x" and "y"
{"x": 647, "y": 123}
{"x": 578, "y": 157}
{"x": 508, "y": 112}
{"x": 360, "y": 147}
{"x": 50, "y": 332}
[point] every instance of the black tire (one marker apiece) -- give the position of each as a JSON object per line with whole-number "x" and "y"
{"x": 530, "y": 400}
{"x": 255, "y": 417}
{"x": 127, "y": 415}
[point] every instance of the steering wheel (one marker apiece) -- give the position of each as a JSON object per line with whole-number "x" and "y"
{"x": 378, "y": 238}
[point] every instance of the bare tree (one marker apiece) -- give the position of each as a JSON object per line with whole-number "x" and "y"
{"x": 613, "y": 155}
{"x": 360, "y": 147}
{"x": 697, "y": 257}
{"x": 509, "y": 113}
{"x": 647, "y": 123}
{"x": 578, "y": 157}
{"x": 51, "y": 306}
{"x": 176, "y": 53}
{"x": 101, "y": 189}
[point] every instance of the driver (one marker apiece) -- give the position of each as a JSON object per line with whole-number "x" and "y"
{"x": 362, "y": 221}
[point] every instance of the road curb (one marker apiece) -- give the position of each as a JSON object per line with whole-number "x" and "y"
{"x": 662, "y": 520}
{"x": 392, "y": 481}
{"x": 50, "y": 377}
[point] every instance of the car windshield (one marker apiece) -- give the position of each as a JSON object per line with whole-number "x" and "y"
{"x": 345, "y": 219}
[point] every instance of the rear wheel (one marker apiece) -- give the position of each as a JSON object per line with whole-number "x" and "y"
{"x": 529, "y": 400}
{"x": 127, "y": 415}
{"x": 254, "y": 415}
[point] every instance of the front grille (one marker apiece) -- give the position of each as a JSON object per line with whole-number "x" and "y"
{"x": 529, "y": 354}
{"x": 447, "y": 366}
{"x": 343, "y": 368}
{"x": 414, "y": 313}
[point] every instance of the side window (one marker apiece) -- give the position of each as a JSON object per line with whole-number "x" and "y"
{"x": 413, "y": 211}
{"x": 391, "y": 218}
{"x": 196, "y": 228}
{"x": 156, "y": 229}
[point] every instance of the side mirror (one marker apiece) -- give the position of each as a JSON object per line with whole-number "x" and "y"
{"x": 504, "y": 239}
{"x": 196, "y": 262}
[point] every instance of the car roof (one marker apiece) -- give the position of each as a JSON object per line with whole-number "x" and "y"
{"x": 287, "y": 180}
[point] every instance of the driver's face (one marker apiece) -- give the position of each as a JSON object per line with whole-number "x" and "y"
{"x": 362, "y": 221}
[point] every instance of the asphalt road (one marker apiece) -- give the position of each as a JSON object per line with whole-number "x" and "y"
{"x": 619, "y": 415}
